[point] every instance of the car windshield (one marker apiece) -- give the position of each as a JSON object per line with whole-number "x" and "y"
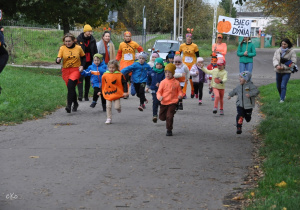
{"x": 166, "y": 47}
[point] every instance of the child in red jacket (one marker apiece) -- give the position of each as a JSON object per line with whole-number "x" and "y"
{"x": 169, "y": 92}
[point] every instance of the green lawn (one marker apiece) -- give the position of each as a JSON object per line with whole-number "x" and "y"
{"x": 281, "y": 149}
{"x": 29, "y": 93}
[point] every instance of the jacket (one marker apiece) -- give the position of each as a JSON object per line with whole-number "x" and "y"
{"x": 251, "y": 52}
{"x": 217, "y": 73}
{"x": 96, "y": 73}
{"x": 169, "y": 89}
{"x": 289, "y": 55}
{"x": 241, "y": 91}
{"x": 180, "y": 69}
{"x": 139, "y": 72}
{"x": 153, "y": 78}
{"x": 92, "y": 45}
{"x": 201, "y": 77}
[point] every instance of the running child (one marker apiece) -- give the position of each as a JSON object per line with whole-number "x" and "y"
{"x": 155, "y": 76}
{"x": 169, "y": 92}
{"x": 95, "y": 71}
{"x": 246, "y": 92}
{"x": 198, "y": 78}
{"x": 139, "y": 77}
{"x": 219, "y": 78}
{"x": 114, "y": 87}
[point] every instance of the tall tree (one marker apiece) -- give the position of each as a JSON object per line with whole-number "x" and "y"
{"x": 288, "y": 9}
{"x": 63, "y": 12}
{"x": 197, "y": 15}
{"x": 230, "y": 10}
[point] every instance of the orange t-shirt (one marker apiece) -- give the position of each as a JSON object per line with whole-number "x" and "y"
{"x": 222, "y": 48}
{"x": 126, "y": 51}
{"x": 71, "y": 56}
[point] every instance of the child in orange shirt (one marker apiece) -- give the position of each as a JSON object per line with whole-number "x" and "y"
{"x": 169, "y": 92}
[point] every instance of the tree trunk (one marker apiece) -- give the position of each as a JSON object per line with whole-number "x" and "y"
{"x": 66, "y": 25}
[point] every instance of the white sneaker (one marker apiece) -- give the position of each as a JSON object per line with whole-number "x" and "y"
{"x": 281, "y": 101}
{"x": 108, "y": 121}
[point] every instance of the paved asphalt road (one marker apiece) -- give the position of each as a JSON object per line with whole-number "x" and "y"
{"x": 75, "y": 161}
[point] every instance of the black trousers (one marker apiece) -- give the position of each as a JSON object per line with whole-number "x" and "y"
{"x": 72, "y": 96}
{"x": 3, "y": 58}
{"x": 198, "y": 88}
{"x": 95, "y": 96}
{"x": 140, "y": 91}
{"x": 241, "y": 114}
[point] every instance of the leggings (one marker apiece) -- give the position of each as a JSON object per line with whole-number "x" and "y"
{"x": 199, "y": 89}
{"x": 72, "y": 97}
{"x": 219, "y": 95}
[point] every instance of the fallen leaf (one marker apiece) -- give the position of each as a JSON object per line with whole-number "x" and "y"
{"x": 284, "y": 208}
{"x": 281, "y": 184}
{"x": 34, "y": 156}
{"x": 238, "y": 197}
{"x": 252, "y": 194}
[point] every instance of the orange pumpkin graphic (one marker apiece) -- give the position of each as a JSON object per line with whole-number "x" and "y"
{"x": 224, "y": 26}
{"x": 112, "y": 88}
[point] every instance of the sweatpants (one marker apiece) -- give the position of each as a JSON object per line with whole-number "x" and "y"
{"x": 140, "y": 92}
{"x": 95, "y": 95}
{"x": 166, "y": 113}
{"x": 241, "y": 114}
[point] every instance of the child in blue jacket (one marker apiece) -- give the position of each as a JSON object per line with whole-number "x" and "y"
{"x": 96, "y": 70}
{"x": 155, "y": 76}
{"x": 139, "y": 77}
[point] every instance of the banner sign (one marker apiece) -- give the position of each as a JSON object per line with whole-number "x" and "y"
{"x": 0, "y": 14}
{"x": 234, "y": 26}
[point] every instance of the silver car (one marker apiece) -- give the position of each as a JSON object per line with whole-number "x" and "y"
{"x": 163, "y": 46}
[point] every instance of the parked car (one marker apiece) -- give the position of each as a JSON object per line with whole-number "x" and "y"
{"x": 163, "y": 46}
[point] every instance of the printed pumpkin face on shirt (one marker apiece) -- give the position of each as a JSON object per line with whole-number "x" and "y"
{"x": 112, "y": 88}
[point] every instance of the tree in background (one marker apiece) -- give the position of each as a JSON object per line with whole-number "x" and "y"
{"x": 287, "y": 9}
{"x": 280, "y": 30}
{"x": 159, "y": 13}
{"x": 230, "y": 10}
{"x": 63, "y": 12}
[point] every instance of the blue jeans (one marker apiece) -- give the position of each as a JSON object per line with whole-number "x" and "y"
{"x": 156, "y": 103}
{"x": 281, "y": 81}
{"x": 246, "y": 67}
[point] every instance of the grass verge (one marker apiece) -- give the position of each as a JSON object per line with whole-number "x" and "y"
{"x": 30, "y": 93}
{"x": 281, "y": 150}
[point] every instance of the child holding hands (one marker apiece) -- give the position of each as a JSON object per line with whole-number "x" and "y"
{"x": 95, "y": 71}
{"x": 169, "y": 92}
{"x": 114, "y": 87}
{"x": 246, "y": 92}
{"x": 155, "y": 76}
